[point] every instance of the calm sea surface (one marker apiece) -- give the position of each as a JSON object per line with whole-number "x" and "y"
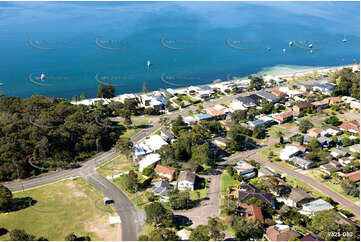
{"x": 79, "y": 45}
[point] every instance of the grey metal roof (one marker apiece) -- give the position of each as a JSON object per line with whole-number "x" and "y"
{"x": 268, "y": 96}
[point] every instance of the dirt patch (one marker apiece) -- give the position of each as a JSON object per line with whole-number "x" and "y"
{"x": 75, "y": 190}
{"x": 103, "y": 230}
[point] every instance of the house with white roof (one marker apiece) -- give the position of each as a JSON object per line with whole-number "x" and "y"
{"x": 288, "y": 152}
{"x": 289, "y": 92}
{"x": 147, "y": 146}
{"x": 149, "y": 160}
{"x": 325, "y": 88}
{"x": 147, "y": 101}
{"x": 315, "y": 206}
{"x": 123, "y": 97}
{"x": 189, "y": 120}
{"x": 92, "y": 101}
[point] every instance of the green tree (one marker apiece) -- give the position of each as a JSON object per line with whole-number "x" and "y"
{"x": 20, "y": 235}
{"x": 5, "y": 198}
{"x": 314, "y": 144}
{"x": 346, "y": 141}
{"x": 216, "y": 228}
{"x": 258, "y": 133}
{"x": 158, "y": 215}
{"x": 333, "y": 120}
{"x": 163, "y": 234}
{"x": 132, "y": 181}
{"x": 125, "y": 146}
{"x": 82, "y": 96}
{"x": 304, "y": 126}
{"x": 109, "y": 91}
{"x": 101, "y": 91}
{"x": 200, "y": 233}
{"x": 144, "y": 88}
{"x": 75, "y": 99}
{"x": 71, "y": 237}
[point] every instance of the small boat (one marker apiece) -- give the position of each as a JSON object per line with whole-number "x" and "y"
{"x": 42, "y": 77}
{"x": 148, "y": 64}
{"x": 290, "y": 43}
{"x": 310, "y": 46}
{"x": 1, "y": 84}
{"x": 268, "y": 49}
{"x": 344, "y": 39}
{"x": 284, "y": 50}
{"x": 311, "y": 51}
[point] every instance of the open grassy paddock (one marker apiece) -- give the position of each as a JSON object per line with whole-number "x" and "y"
{"x": 61, "y": 208}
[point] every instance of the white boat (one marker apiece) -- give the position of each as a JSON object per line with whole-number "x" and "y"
{"x": 344, "y": 39}
{"x": 310, "y": 46}
{"x": 284, "y": 50}
{"x": 268, "y": 49}
{"x": 310, "y": 51}
{"x": 42, "y": 77}
{"x": 148, "y": 64}
{"x": 290, "y": 43}
{"x": 1, "y": 83}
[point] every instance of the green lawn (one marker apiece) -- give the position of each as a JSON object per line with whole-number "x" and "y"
{"x": 294, "y": 182}
{"x": 131, "y": 130}
{"x": 115, "y": 166}
{"x": 266, "y": 151}
{"x": 315, "y": 174}
{"x": 273, "y": 131}
{"x": 337, "y": 188}
{"x": 60, "y": 208}
{"x": 227, "y": 181}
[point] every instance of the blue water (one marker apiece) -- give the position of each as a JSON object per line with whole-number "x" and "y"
{"x": 195, "y": 34}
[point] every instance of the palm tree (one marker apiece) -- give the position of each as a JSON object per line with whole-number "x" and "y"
{"x": 75, "y": 99}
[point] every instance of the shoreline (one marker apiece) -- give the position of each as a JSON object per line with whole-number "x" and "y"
{"x": 291, "y": 70}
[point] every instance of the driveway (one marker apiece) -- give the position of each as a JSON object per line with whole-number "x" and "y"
{"x": 207, "y": 208}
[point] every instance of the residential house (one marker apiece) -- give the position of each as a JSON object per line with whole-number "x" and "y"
{"x": 167, "y": 135}
{"x": 147, "y": 146}
{"x": 330, "y": 131}
{"x": 296, "y": 197}
{"x": 205, "y": 92}
{"x": 355, "y": 105}
{"x": 336, "y": 153}
{"x": 278, "y": 93}
{"x": 203, "y": 116}
{"x": 165, "y": 171}
{"x": 315, "y": 206}
{"x": 283, "y": 117}
{"x": 289, "y": 92}
{"x": 353, "y": 176}
{"x": 299, "y": 146}
{"x": 301, "y": 107}
{"x": 318, "y": 105}
{"x": 161, "y": 188}
{"x": 253, "y": 212}
{"x": 189, "y": 120}
{"x": 344, "y": 161}
{"x": 314, "y": 132}
{"x": 280, "y": 232}
{"x": 186, "y": 180}
{"x": 265, "y": 171}
{"x": 355, "y": 148}
{"x": 227, "y": 124}
{"x": 333, "y": 100}
{"x": 288, "y": 152}
{"x": 256, "y": 99}
{"x": 325, "y": 141}
{"x": 353, "y": 126}
{"x": 246, "y": 101}
{"x": 236, "y": 105}
{"x": 332, "y": 166}
{"x": 257, "y": 123}
{"x": 301, "y": 162}
{"x": 308, "y": 95}
{"x": 268, "y": 96}
{"x": 245, "y": 169}
{"x": 312, "y": 237}
{"x": 324, "y": 88}
{"x": 147, "y": 101}
{"x": 246, "y": 191}
{"x": 123, "y": 97}
{"x": 216, "y": 113}
{"x": 148, "y": 161}
{"x": 307, "y": 139}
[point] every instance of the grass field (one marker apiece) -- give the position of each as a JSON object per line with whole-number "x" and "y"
{"x": 60, "y": 208}
{"x": 315, "y": 174}
{"x": 227, "y": 181}
{"x": 337, "y": 188}
{"x": 118, "y": 164}
{"x": 139, "y": 124}
{"x": 273, "y": 131}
